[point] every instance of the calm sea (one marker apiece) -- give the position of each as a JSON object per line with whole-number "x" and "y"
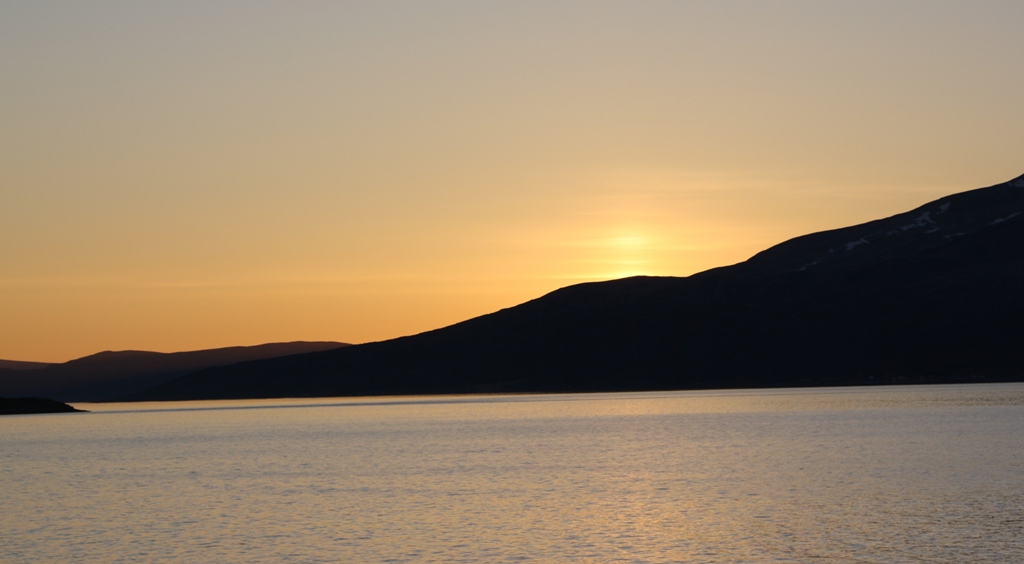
{"x": 897, "y": 474}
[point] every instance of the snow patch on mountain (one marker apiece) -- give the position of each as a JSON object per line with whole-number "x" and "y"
{"x": 921, "y": 221}
{"x": 804, "y": 267}
{"x": 1002, "y": 219}
{"x": 852, "y": 244}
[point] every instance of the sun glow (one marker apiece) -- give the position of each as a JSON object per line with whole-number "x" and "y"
{"x": 629, "y": 254}
{"x": 629, "y": 243}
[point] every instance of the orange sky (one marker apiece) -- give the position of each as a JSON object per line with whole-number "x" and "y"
{"x": 182, "y": 175}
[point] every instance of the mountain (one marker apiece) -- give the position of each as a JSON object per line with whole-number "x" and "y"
{"x": 932, "y": 295}
{"x": 109, "y": 375}
{"x": 22, "y": 365}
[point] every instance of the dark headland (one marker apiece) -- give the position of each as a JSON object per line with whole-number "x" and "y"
{"x": 933, "y": 295}
{"x": 25, "y": 406}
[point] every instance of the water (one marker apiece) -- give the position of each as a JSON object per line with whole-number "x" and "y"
{"x": 911, "y": 474}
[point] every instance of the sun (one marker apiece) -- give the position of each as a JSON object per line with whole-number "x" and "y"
{"x": 628, "y": 254}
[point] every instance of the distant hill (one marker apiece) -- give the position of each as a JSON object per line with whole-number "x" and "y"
{"x": 932, "y": 295}
{"x": 108, "y": 375}
{"x": 22, "y": 365}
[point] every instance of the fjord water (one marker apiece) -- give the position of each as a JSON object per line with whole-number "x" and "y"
{"x": 893, "y": 474}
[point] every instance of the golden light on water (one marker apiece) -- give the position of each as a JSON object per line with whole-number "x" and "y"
{"x": 807, "y": 474}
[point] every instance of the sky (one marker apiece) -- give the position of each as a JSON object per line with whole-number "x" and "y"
{"x": 184, "y": 175}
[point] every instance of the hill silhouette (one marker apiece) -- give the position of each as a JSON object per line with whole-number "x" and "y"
{"x": 112, "y": 374}
{"x": 932, "y": 295}
{"x": 22, "y": 365}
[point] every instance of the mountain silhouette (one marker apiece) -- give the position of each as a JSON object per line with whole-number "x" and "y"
{"x": 22, "y": 365}
{"x": 932, "y": 295}
{"x": 112, "y": 374}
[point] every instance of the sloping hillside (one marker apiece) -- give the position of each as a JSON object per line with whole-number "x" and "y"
{"x": 932, "y": 295}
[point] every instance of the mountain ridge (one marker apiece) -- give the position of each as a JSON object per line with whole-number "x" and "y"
{"x": 22, "y": 365}
{"x": 107, "y": 375}
{"x": 934, "y": 223}
{"x": 941, "y": 300}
